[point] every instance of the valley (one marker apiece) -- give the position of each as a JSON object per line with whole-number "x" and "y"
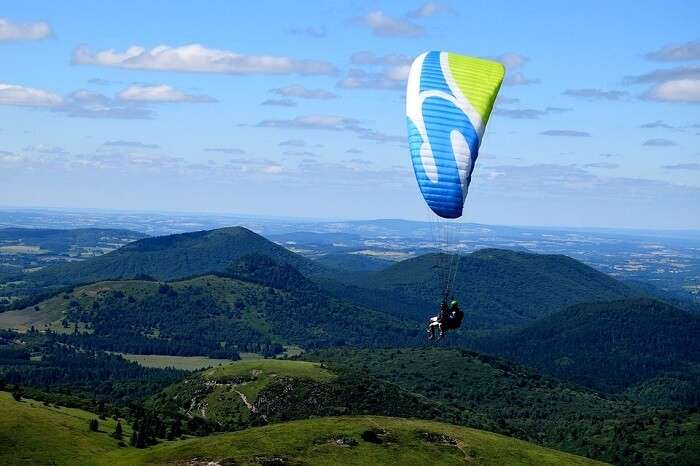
{"x": 234, "y": 332}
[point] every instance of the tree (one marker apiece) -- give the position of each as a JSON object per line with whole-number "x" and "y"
{"x": 17, "y": 395}
{"x": 175, "y": 429}
{"x": 140, "y": 439}
{"x": 118, "y": 433}
{"x": 94, "y": 425}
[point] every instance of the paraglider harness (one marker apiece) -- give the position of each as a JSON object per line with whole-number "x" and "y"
{"x": 449, "y": 318}
{"x": 452, "y": 319}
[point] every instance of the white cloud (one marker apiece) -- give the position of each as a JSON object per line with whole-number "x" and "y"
{"x": 87, "y": 104}
{"x": 123, "y": 161}
{"x": 293, "y": 143}
{"x": 279, "y": 103}
{"x": 158, "y": 93}
{"x": 299, "y": 153}
{"x": 197, "y": 58}
{"x": 429, "y": 9}
{"x": 683, "y": 166}
{"x": 566, "y": 133}
{"x": 528, "y": 113}
{"x": 384, "y": 25}
{"x": 657, "y": 124}
{"x": 519, "y": 113}
{"x": 273, "y": 169}
{"x": 323, "y": 122}
{"x": 677, "y": 52}
{"x": 130, "y": 144}
{"x": 512, "y": 60}
{"x": 560, "y": 183}
{"x": 10, "y": 31}
{"x": 680, "y": 84}
{"x": 605, "y": 165}
{"x": 254, "y": 166}
{"x": 659, "y": 142}
{"x": 44, "y": 149}
{"x": 11, "y": 94}
{"x": 665, "y": 74}
{"x": 595, "y": 94}
{"x": 393, "y": 74}
{"x": 309, "y": 31}
{"x": 518, "y": 79}
{"x": 393, "y": 77}
{"x": 507, "y": 100}
{"x": 7, "y": 157}
{"x": 678, "y": 90}
{"x": 365, "y": 57}
{"x": 331, "y": 123}
{"x": 299, "y": 91}
{"x": 225, "y": 150}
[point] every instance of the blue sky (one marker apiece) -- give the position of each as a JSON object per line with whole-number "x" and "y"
{"x": 296, "y": 108}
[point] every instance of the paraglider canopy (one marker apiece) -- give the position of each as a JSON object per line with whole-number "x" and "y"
{"x": 449, "y": 99}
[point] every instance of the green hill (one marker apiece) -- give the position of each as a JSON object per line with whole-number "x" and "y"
{"x": 496, "y": 395}
{"x": 612, "y": 345}
{"x": 496, "y": 287}
{"x": 173, "y": 257}
{"x": 64, "y": 439}
{"x": 354, "y": 440}
{"x": 212, "y": 315}
{"x": 249, "y": 393}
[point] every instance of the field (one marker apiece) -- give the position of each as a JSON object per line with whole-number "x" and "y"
{"x": 195, "y": 363}
{"x": 49, "y": 435}
{"x": 24, "y": 319}
{"x": 188, "y": 363}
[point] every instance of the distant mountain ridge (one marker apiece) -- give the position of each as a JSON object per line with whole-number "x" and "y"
{"x": 174, "y": 257}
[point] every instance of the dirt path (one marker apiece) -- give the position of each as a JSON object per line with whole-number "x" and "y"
{"x": 250, "y": 405}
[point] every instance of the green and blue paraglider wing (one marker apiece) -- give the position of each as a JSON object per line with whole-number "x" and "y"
{"x": 449, "y": 99}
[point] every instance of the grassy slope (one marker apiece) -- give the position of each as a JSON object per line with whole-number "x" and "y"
{"x": 31, "y": 433}
{"x": 310, "y": 442}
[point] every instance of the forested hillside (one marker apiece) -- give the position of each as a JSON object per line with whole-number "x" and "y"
{"x": 496, "y": 287}
{"x": 500, "y": 396}
{"x": 612, "y": 346}
{"x": 40, "y": 366}
{"x": 214, "y": 315}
